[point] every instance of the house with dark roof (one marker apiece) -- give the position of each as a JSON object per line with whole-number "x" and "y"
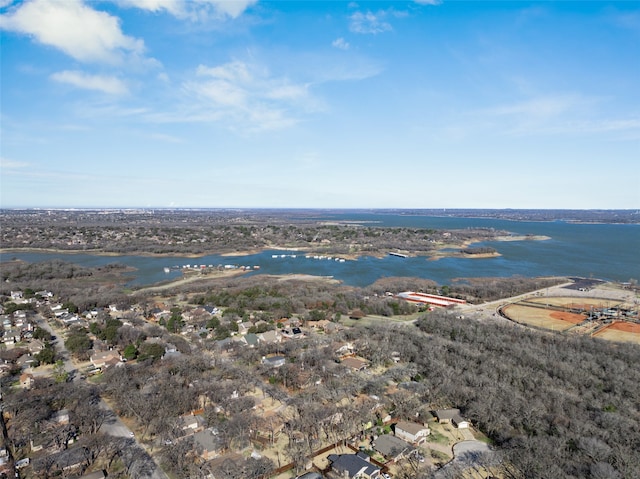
{"x": 274, "y": 361}
{"x": 353, "y": 465}
{"x": 451, "y": 416}
{"x": 392, "y": 447}
{"x": 208, "y": 444}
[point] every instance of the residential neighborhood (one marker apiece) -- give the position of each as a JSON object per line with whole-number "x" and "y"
{"x": 368, "y": 441}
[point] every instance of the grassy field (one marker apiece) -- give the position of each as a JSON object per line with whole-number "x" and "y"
{"x": 554, "y": 320}
{"x": 540, "y": 318}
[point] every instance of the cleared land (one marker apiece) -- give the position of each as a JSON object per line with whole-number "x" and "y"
{"x": 561, "y": 313}
{"x": 621, "y": 331}
{"x": 539, "y": 318}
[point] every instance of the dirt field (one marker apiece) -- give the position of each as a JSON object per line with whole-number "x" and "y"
{"x": 562, "y": 321}
{"x": 540, "y": 318}
{"x": 621, "y": 331}
{"x": 572, "y": 318}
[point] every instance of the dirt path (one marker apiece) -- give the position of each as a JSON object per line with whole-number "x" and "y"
{"x": 191, "y": 279}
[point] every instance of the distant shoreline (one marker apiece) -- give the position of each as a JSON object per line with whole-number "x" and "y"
{"x": 437, "y": 254}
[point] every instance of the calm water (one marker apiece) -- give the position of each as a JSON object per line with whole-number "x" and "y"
{"x": 602, "y": 251}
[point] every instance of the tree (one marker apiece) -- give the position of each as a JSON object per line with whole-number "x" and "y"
{"x": 47, "y": 355}
{"x": 41, "y": 333}
{"x": 60, "y": 375}
{"x": 150, "y": 351}
{"x": 70, "y": 306}
{"x": 130, "y": 352}
{"x": 175, "y": 323}
{"x": 110, "y": 332}
{"x": 78, "y": 343}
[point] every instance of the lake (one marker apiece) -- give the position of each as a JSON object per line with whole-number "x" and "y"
{"x": 604, "y": 251}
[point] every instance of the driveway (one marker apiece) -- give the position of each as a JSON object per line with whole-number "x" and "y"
{"x": 466, "y": 454}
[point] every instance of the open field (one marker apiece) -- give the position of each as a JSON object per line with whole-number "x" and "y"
{"x": 561, "y": 313}
{"x": 621, "y": 331}
{"x": 539, "y": 318}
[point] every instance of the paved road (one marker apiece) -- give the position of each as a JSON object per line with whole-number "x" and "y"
{"x": 465, "y": 454}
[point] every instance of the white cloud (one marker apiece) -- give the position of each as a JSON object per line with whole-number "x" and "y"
{"x": 571, "y": 114}
{"x": 193, "y": 9}
{"x": 536, "y": 108}
{"x": 103, "y": 83}
{"x": 428, "y": 2}
{"x": 247, "y": 96}
{"x": 232, "y": 8}
{"x": 8, "y": 164}
{"x": 76, "y": 29}
{"x": 340, "y": 43}
{"x": 174, "y": 7}
{"x": 369, "y": 22}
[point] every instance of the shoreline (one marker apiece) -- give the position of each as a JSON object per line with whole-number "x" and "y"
{"x": 436, "y": 254}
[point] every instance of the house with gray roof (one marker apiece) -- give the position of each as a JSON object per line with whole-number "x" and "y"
{"x": 392, "y": 447}
{"x": 351, "y": 466}
{"x": 446, "y": 416}
{"x": 208, "y": 444}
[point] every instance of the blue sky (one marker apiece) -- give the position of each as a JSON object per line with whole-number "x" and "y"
{"x": 412, "y": 104}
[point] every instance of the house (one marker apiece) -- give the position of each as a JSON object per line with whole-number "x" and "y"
{"x": 11, "y": 336}
{"x": 355, "y": 364}
{"x": 274, "y": 361}
{"x": 392, "y": 447}
{"x": 208, "y": 444}
{"x": 26, "y": 361}
{"x": 354, "y": 465}
{"x": 345, "y": 349}
{"x": 39, "y": 443}
{"x": 412, "y": 432}
{"x": 250, "y": 339}
{"x": 69, "y": 319}
{"x": 191, "y": 423}
{"x": 16, "y": 295}
{"x": 69, "y": 460}
{"x": 104, "y": 359}
{"x": 451, "y": 416}
{"x": 35, "y": 346}
{"x": 210, "y": 309}
{"x": 326, "y": 326}
{"x": 244, "y": 326}
{"x": 232, "y": 459}
{"x": 270, "y": 337}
